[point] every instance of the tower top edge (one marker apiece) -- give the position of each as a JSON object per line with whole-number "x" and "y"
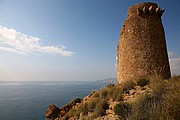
{"x": 145, "y": 8}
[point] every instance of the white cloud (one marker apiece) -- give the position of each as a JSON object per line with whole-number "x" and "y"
{"x": 174, "y": 63}
{"x": 20, "y": 43}
{"x": 12, "y": 50}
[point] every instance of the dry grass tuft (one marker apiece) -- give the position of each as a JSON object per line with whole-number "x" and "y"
{"x": 162, "y": 103}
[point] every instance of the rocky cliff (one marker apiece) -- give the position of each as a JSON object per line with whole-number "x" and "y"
{"x": 150, "y": 98}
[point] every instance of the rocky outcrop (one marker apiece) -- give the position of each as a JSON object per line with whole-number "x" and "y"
{"x": 152, "y": 98}
{"x": 83, "y": 109}
{"x": 54, "y": 112}
{"x": 141, "y": 50}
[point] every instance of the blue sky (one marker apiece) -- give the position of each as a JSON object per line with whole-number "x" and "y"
{"x": 70, "y": 39}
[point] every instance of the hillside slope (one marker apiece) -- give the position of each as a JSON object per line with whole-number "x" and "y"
{"x": 148, "y": 99}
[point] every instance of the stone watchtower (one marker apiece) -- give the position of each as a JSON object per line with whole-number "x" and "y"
{"x": 142, "y": 46}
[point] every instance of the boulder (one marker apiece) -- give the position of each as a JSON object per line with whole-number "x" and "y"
{"x": 52, "y": 112}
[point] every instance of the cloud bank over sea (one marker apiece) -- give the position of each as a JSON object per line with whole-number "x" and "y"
{"x": 16, "y": 42}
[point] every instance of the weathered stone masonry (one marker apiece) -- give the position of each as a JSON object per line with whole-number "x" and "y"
{"x": 142, "y": 47}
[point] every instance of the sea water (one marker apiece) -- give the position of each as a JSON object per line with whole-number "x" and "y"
{"x": 29, "y": 100}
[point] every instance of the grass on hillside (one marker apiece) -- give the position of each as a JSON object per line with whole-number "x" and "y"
{"x": 161, "y": 102}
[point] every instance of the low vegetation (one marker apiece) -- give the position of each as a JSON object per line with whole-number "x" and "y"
{"x": 122, "y": 109}
{"x": 142, "y": 82}
{"x": 160, "y": 101}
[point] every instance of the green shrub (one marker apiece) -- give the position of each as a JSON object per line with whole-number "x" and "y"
{"x": 142, "y": 82}
{"x": 66, "y": 117}
{"x": 85, "y": 117}
{"x": 72, "y": 113}
{"x": 100, "y": 109}
{"x": 92, "y": 104}
{"x": 122, "y": 109}
{"x": 73, "y": 103}
{"x": 103, "y": 104}
{"x": 110, "y": 85}
{"x": 171, "y": 103}
{"x": 104, "y": 93}
{"x": 128, "y": 85}
{"x": 84, "y": 109}
{"x": 96, "y": 94}
{"x": 116, "y": 96}
{"x": 149, "y": 105}
{"x": 162, "y": 103}
{"x": 157, "y": 85}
